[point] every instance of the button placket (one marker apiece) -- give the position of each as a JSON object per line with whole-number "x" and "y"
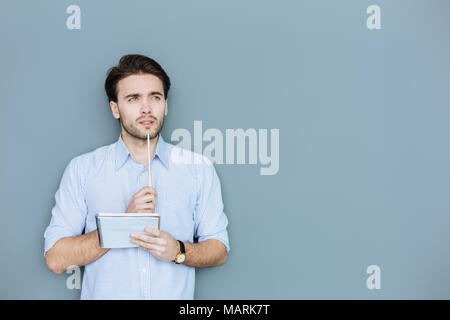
{"x": 144, "y": 258}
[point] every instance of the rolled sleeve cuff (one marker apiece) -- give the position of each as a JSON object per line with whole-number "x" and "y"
{"x": 56, "y": 235}
{"x": 221, "y": 236}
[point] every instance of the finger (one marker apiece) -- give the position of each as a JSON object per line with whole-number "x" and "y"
{"x": 147, "y": 198}
{"x": 145, "y": 211}
{"x": 143, "y": 237}
{"x": 151, "y": 190}
{"x": 139, "y": 193}
{"x": 152, "y": 230}
{"x": 145, "y": 206}
{"x": 146, "y": 190}
{"x": 154, "y": 240}
{"x": 147, "y": 246}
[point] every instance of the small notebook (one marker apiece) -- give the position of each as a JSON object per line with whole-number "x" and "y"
{"x": 114, "y": 228}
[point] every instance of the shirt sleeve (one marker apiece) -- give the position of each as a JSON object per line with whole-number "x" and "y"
{"x": 210, "y": 219}
{"x": 69, "y": 213}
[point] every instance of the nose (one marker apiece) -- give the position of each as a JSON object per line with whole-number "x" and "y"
{"x": 146, "y": 107}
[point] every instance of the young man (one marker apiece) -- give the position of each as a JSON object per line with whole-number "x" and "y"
{"x": 114, "y": 178}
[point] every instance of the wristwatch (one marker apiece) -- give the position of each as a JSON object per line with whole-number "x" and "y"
{"x": 181, "y": 255}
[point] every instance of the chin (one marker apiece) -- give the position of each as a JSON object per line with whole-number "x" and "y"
{"x": 152, "y": 135}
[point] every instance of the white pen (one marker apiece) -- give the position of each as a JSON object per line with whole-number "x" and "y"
{"x": 148, "y": 156}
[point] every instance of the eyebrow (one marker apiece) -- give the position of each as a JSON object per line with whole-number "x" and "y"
{"x": 153, "y": 93}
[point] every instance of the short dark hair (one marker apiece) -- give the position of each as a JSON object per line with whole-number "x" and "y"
{"x": 134, "y": 64}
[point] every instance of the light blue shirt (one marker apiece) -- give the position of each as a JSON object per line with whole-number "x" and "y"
{"x": 189, "y": 200}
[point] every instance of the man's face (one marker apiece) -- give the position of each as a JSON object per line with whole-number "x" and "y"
{"x": 140, "y": 98}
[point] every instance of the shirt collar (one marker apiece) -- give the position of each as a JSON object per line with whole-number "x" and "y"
{"x": 122, "y": 152}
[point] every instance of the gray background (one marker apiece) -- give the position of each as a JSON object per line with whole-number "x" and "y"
{"x": 364, "y": 135}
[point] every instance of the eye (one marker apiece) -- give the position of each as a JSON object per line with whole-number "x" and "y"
{"x": 132, "y": 99}
{"x": 156, "y": 98}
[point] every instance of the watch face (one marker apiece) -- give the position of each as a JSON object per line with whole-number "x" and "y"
{"x": 180, "y": 258}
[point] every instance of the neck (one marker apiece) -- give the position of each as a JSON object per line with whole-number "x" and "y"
{"x": 138, "y": 147}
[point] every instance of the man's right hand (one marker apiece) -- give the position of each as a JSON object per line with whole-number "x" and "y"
{"x": 143, "y": 201}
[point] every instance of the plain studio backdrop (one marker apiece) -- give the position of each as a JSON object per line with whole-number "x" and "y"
{"x": 364, "y": 136}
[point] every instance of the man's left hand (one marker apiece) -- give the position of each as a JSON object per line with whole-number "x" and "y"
{"x": 162, "y": 245}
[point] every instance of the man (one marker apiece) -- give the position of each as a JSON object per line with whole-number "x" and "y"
{"x": 113, "y": 178}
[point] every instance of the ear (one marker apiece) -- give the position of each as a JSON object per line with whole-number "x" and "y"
{"x": 165, "y": 109}
{"x": 114, "y": 109}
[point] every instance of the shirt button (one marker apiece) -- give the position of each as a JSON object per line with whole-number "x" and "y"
{"x": 144, "y": 270}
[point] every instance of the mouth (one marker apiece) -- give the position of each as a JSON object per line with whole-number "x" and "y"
{"x": 147, "y": 123}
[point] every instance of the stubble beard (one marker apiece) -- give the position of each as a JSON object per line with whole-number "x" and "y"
{"x": 133, "y": 131}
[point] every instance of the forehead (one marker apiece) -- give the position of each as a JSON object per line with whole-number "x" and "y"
{"x": 139, "y": 83}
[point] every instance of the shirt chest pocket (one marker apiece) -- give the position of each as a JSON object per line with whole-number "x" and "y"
{"x": 176, "y": 219}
